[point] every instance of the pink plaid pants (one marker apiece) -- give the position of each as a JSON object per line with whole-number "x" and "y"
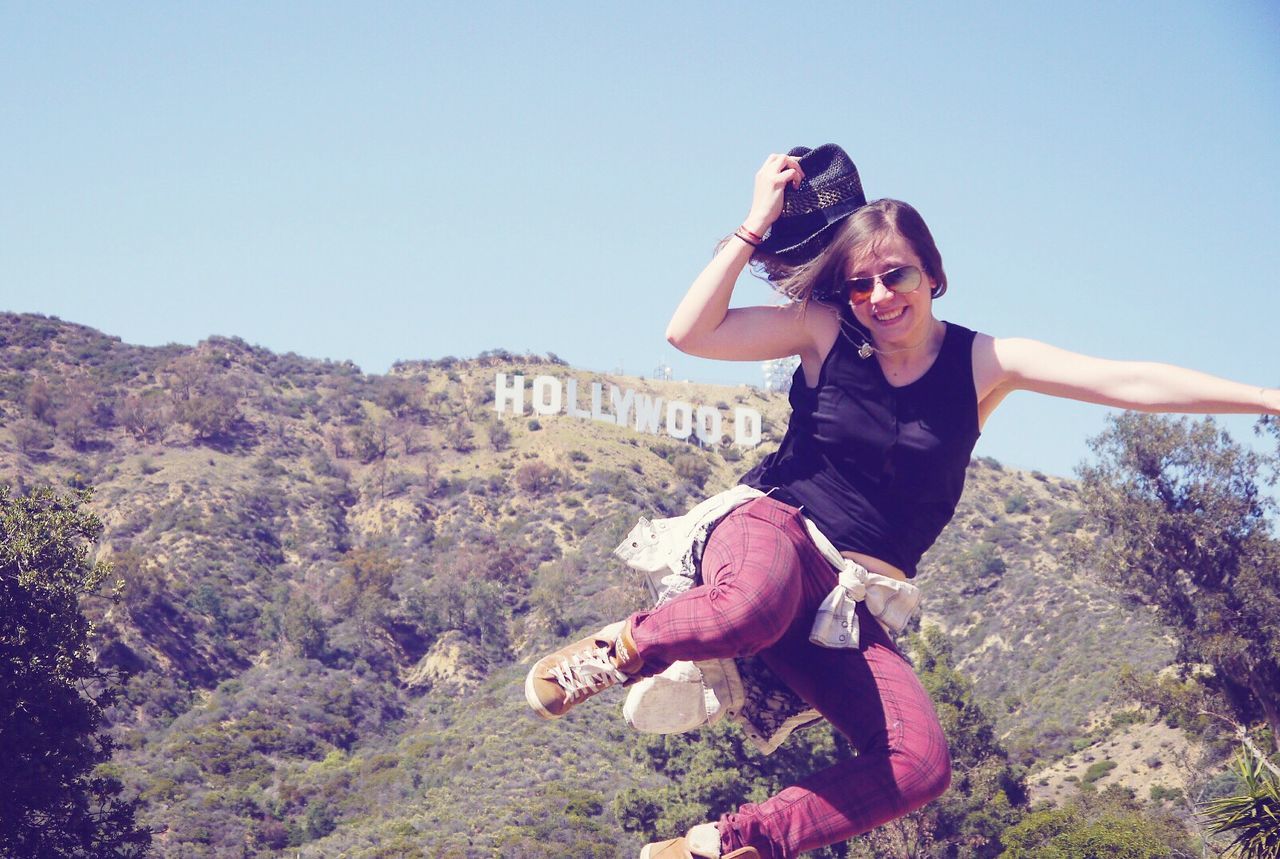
{"x": 763, "y": 580}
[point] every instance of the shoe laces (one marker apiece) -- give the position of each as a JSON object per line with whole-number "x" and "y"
{"x": 586, "y": 672}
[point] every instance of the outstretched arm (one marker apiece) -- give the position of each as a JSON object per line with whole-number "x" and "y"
{"x": 1006, "y": 364}
{"x": 703, "y": 324}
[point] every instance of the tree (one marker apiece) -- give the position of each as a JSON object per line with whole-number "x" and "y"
{"x": 144, "y": 415}
{"x": 1184, "y": 527}
{"x": 40, "y": 402}
{"x": 1106, "y": 825}
{"x": 189, "y": 375}
{"x": 364, "y": 586}
{"x": 409, "y": 433}
{"x": 499, "y": 434}
{"x": 304, "y": 628}
{"x": 203, "y": 399}
{"x": 537, "y": 478}
{"x": 209, "y": 415}
{"x": 53, "y": 802}
{"x": 370, "y": 441}
{"x": 715, "y": 769}
{"x": 74, "y": 415}
{"x": 397, "y": 396}
{"x": 459, "y": 435}
{"x": 32, "y": 436}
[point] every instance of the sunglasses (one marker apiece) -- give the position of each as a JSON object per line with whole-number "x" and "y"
{"x": 900, "y": 280}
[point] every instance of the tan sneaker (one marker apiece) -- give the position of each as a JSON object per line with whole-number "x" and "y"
{"x": 573, "y": 674}
{"x": 702, "y": 842}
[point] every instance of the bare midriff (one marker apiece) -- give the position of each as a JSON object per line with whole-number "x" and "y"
{"x": 875, "y": 565}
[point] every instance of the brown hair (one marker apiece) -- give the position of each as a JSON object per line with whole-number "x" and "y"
{"x": 857, "y": 235}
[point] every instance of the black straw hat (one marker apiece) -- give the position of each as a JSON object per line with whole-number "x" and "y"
{"x": 829, "y": 192}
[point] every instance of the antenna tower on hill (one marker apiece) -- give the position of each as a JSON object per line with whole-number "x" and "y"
{"x": 778, "y": 373}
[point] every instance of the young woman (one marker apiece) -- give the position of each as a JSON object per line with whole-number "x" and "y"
{"x": 887, "y": 406}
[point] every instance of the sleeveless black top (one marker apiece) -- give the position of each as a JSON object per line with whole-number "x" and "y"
{"x": 879, "y": 469}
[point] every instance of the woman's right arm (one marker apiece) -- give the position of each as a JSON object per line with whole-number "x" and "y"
{"x": 703, "y": 324}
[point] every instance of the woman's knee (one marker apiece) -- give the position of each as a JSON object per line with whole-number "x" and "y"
{"x": 935, "y": 777}
{"x": 927, "y": 768}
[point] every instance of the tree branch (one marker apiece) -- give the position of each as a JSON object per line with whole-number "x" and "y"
{"x": 1242, "y": 734}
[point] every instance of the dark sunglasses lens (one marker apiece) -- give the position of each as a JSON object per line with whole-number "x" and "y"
{"x": 904, "y": 279}
{"x": 859, "y": 288}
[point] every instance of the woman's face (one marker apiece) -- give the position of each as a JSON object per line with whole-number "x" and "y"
{"x": 894, "y": 319}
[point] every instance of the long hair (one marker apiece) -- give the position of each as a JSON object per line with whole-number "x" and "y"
{"x": 819, "y": 279}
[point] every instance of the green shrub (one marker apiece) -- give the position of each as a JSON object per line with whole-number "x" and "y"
{"x": 1016, "y": 504}
{"x": 1065, "y": 521}
{"x": 1097, "y": 770}
{"x": 499, "y": 434}
{"x": 692, "y": 468}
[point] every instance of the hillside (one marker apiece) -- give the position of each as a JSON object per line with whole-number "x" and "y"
{"x": 332, "y": 580}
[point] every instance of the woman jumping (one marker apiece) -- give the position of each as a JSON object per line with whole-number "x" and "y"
{"x": 887, "y": 405}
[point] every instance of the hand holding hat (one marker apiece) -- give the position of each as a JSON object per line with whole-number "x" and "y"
{"x": 829, "y": 190}
{"x": 778, "y": 174}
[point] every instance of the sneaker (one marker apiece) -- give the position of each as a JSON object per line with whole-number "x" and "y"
{"x": 702, "y": 842}
{"x": 573, "y": 674}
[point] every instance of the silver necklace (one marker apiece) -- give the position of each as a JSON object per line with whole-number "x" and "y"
{"x": 866, "y": 350}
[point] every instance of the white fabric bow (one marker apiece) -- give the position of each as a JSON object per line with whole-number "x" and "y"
{"x": 890, "y": 600}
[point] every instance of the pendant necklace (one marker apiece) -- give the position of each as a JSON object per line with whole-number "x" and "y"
{"x": 866, "y": 350}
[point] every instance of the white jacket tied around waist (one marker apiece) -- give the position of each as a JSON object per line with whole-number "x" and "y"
{"x": 687, "y": 695}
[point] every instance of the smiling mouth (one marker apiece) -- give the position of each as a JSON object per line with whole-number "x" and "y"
{"x": 888, "y": 315}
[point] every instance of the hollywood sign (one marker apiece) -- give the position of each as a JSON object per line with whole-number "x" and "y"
{"x": 678, "y": 419}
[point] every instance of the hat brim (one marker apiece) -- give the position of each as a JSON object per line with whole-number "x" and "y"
{"x": 809, "y": 240}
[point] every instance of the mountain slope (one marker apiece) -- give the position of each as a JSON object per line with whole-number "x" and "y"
{"x": 333, "y": 580}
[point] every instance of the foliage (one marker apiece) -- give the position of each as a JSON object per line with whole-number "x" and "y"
{"x": 1096, "y": 771}
{"x": 693, "y": 468}
{"x": 983, "y": 564}
{"x": 1016, "y": 504}
{"x": 499, "y": 434}
{"x": 714, "y": 770}
{"x": 203, "y": 397}
{"x": 54, "y": 801}
{"x": 1252, "y": 818}
{"x": 32, "y": 436}
{"x": 40, "y": 403}
{"x": 304, "y": 629}
{"x": 1185, "y": 527}
{"x": 537, "y": 478}
{"x": 145, "y": 415}
{"x": 1102, "y": 825}
{"x": 460, "y": 435}
{"x": 370, "y": 441}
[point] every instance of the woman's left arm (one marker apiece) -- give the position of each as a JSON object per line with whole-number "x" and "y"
{"x": 1006, "y": 364}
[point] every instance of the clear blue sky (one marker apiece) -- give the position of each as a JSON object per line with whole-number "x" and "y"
{"x": 386, "y": 181}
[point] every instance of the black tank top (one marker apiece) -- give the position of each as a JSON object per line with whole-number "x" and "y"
{"x": 878, "y": 469}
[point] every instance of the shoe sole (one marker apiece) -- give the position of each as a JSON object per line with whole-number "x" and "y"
{"x": 531, "y": 697}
